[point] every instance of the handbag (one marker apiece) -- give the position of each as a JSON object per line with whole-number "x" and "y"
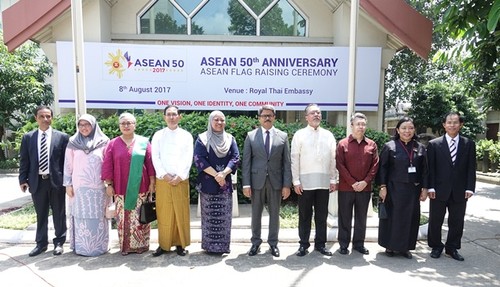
{"x": 111, "y": 209}
{"x": 382, "y": 211}
{"x": 147, "y": 212}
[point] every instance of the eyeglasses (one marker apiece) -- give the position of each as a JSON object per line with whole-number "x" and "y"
{"x": 314, "y": 113}
{"x": 84, "y": 126}
{"x": 359, "y": 124}
{"x": 126, "y": 124}
{"x": 266, "y": 116}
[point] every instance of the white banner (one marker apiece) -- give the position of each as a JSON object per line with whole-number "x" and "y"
{"x": 129, "y": 76}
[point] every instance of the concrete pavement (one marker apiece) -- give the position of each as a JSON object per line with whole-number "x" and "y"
{"x": 480, "y": 247}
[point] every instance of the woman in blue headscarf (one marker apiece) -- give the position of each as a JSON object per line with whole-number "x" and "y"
{"x": 216, "y": 157}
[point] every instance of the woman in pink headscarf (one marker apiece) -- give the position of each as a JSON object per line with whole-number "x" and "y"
{"x": 87, "y": 199}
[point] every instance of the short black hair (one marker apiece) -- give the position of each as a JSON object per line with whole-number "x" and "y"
{"x": 43, "y": 107}
{"x": 171, "y": 106}
{"x": 400, "y": 122}
{"x": 453, "y": 113}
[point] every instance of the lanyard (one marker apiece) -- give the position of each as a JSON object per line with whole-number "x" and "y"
{"x": 410, "y": 154}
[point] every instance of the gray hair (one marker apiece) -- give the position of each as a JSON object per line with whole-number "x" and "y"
{"x": 358, "y": 116}
{"x": 267, "y": 107}
{"x": 310, "y": 105}
{"x": 127, "y": 115}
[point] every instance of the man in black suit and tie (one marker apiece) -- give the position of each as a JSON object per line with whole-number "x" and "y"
{"x": 452, "y": 181}
{"x": 41, "y": 166}
{"x": 267, "y": 176}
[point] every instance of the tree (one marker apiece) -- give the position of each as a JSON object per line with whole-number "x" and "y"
{"x": 165, "y": 24}
{"x": 23, "y": 85}
{"x": 407, "y": 72}
{"x": 435, "y": 99}
{"x": 474, "y": 26}
{"x": 272, "y": 24}
{"x": 432, "y": 87}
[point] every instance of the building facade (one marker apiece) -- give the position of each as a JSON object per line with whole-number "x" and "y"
{"x": 387, "y": 24}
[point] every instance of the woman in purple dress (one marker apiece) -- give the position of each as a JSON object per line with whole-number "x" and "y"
{"x": 216, "y": 157}
{"x": 87, "y": 199}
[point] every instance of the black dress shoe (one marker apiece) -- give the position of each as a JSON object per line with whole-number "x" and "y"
{"x": 455, "y": 255}
{"x": 389, "y": 252}
{"x": 324, "y": 251}
{"x": 343, "y": 250}
{"x": 275, "y": 251}
{"x": 37, "y": 250}
{"x": 436, "y": 253}
{"x": 254, "y": 250}
{"x": 406, "y": 254}
{"x": 362, "y": 250}
{"x": 58, "y": 249}
{"x": 158, "y": 252}
{"x": 181, "y": 251}
{"x": 302, "y": 251}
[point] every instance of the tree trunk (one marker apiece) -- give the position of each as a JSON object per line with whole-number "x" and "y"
{"x": 2, "y": 153}
{"x": 486, "y": 162}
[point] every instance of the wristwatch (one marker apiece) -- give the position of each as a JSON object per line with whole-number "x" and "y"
{"x": 106, "y": 184}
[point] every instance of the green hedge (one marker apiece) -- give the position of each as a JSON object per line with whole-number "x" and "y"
{"x": 195, "y": 123}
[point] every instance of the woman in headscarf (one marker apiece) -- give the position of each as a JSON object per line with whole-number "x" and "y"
{"x": 87, "y": 199}
{"x": 216, "y": 157}
{"x": 129, "y": 175}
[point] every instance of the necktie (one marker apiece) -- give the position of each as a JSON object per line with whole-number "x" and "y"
{"x": 266, "y": 143}
{"x": 44, "y": 159}
{"x": 453, "y": 151}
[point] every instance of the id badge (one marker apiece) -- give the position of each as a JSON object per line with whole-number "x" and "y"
{"x": 412, "y": 169}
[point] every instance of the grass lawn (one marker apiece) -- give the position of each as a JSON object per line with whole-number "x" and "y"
{"x": 289, "y": 216}
{"x": 25, "y": 216}
{"x": 19, "y": 219}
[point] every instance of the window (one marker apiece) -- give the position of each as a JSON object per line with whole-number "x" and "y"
{"x": 223, "y": 17}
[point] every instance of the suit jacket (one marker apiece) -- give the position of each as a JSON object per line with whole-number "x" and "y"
{"x": 256, "y": 166}
{"x": 28, "y": 162}
{"x": 451, "y": 181}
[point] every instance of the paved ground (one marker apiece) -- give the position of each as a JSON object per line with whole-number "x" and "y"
{"x": 481, "y": 245}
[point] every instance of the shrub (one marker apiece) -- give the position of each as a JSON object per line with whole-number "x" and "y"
{"x": 9, "y": 164}
{"x": 195, "y": 123}
{"x": 483, "y": 147}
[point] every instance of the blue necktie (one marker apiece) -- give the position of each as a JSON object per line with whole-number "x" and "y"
{"x": 266, "y": 143}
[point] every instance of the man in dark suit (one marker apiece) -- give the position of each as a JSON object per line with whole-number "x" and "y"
{"x": 267, "y": 176}
{"x": 452, "y": 181}
{"x": 41, "y": 166}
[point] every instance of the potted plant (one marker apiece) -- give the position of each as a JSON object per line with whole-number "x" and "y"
{"x": 482, "y": 153}
{"x": 494, "y": 156}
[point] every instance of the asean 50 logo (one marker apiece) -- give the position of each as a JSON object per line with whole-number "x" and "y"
{"x": 118, "y": 63}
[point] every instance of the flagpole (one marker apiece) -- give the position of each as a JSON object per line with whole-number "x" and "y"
{"x": 78, "y": 57}
{"x": 351, "y": 88}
